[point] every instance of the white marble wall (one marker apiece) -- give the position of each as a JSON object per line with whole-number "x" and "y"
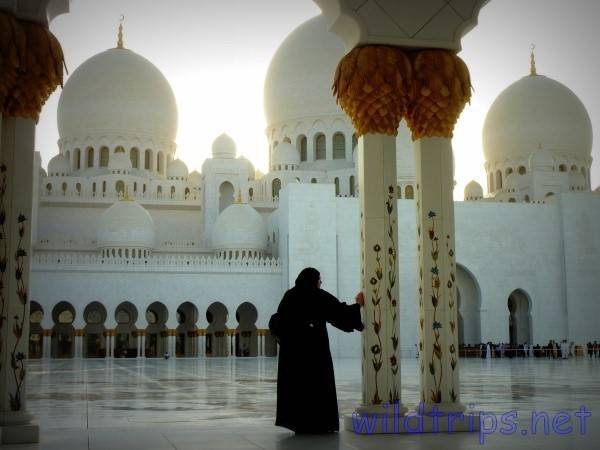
{"x": 504, "y": 247}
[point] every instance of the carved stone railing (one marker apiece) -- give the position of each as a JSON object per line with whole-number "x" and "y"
{"x": 74, "y": 196}
{"x": 87, "y": 261}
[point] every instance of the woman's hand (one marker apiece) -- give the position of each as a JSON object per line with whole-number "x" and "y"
{"x": 360, "y": 299}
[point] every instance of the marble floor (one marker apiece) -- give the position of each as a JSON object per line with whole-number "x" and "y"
{"x": 229, "y": 403}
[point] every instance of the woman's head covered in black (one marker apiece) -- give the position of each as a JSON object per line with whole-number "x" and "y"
{"x": 308, "y": 278}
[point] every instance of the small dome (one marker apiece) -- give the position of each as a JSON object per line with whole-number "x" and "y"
{"x": 541, "y": 160}
{"x": 532, "y": 111}
{"x": 126, "y": 224}
{"x": 195, "y": 178}
{"x": 285, "y": 153}
{"x": 223, "y": 147}
{"x": 177, "y": 169}
{"x": 59, "y": 166}
{"x": 239, "y": 227}
{"x": 119, "y": 161}
{"x": 249, "y": 165}
{"x": 473, "y": 191}
{"x": 117, "y": 91}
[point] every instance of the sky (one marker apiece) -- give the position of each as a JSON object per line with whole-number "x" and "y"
{"x": 216, "y": 54}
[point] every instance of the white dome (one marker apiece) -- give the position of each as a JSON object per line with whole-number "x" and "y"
{"x": 59, "y": 165}
{"x": 541, "y": 160}
{"x": 299, "y": 78}
{"x": 239, "y": 227}
{"x": 177, "y": 169}
{"x": 473, "y": 191}
{"x": 117, "y": 91}
{"x": 119, "y": 161}
{"x": 223, "y": 147}
{"x": 195, "y": 178}
{"x": 534, "y": 111}
{"x": 249, "y": 165}
{"x": 126, "y": 224}
{"x": 285, "y": 153}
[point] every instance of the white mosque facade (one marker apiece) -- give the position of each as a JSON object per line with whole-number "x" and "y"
{"x": 135, "y": 256}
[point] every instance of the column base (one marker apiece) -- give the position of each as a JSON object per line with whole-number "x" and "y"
{"x": 20, "y": 434}
{"x": 447, "y": 418}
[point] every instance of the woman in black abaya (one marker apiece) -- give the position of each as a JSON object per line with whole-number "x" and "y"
{"x": 306, "y": 397}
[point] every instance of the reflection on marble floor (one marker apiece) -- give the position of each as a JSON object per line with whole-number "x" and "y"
{"x": 180, "y": 397}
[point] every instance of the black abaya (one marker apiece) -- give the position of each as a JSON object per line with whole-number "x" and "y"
{"x": 306, "y": 396}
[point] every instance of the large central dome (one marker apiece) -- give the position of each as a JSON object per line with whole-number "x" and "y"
{"x": 114, "y": 92}
{"x": 537, "y": 111}
{"x": 299, "y": 78}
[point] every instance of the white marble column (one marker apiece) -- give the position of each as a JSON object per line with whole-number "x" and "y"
{"x": 381, "y": 391}
{"x": 232, "y": 342}
{"x": 17, "y": 142}
{"x": 196, "y": 345}
{"x": 112, "y": 343}
{"x": 107, "y": 344}
{"x": 78, "y": 338}
{"x": 47, "y": 344}
{"x": 261, "y": 343}
{"x": 97, "y": 161}
{"x": 438, "y": 324}
{"x": 227, "y": 343}
{"x": 202, "y": 344}
{"x": 152, "y": 161}
{"x": 138, "y": 345}
{"x": 143, "y": 344}
{"x": 171, "y": 342}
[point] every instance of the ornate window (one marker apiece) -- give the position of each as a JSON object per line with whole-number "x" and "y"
{"x": 320, "y": 147}
{"x": 303, "y": 147}
{"x": 339, "y": 146}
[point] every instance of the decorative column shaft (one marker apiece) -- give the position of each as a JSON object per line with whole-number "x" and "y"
{"x": 16, "y": 194}
{"x": 379, "y": 270}
{"x": 438, "y": 322}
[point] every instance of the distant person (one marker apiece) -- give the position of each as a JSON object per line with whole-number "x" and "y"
{"x": 596, "y": 349}
{"x": 306, "y": 397}
{"x": 166, "y": 355}
{"x": 564, "y": 349}
{"x": 590, "y": 349}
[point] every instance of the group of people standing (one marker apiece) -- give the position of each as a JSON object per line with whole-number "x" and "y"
{"x": 553, "y": 350}
{"x": 593, "y": 349}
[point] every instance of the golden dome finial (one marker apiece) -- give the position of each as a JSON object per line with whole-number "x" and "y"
{"x": 532, "y": 70}
{"x": 120, "y": 35}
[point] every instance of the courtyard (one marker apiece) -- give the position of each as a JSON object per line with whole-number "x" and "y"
{"x": 230, "y": 403}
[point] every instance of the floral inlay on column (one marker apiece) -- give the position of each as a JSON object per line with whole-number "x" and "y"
{"x": 3, "y": 259}
{"x": 16, "y": 358}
